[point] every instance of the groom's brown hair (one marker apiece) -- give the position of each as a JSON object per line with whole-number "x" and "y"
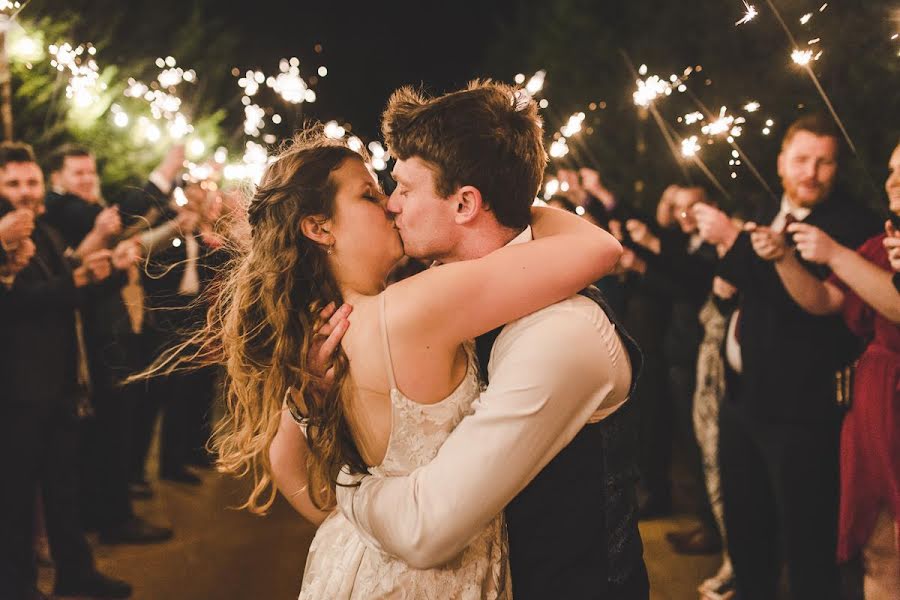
{"x": 488, "y": 135}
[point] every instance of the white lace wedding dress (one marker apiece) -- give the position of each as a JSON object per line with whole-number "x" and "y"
{"x": 341, "y": 565}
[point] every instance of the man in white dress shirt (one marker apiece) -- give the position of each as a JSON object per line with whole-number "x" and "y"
{"x": 550, "y": 439}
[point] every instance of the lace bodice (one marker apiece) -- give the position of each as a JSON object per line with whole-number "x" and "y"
{"x": 419, "y": 430}
{"x": 341, "y": 565}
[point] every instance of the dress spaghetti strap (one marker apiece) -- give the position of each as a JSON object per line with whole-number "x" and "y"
{"x": 387, "y": 345}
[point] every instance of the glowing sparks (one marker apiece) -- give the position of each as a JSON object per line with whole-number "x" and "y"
{"x": 653, "y": 87}
{"x": 559, "y": 148}
{"x": 550, "y": 188}
{"x": 650, "y": 89}
{"x": 520, "y": 78}
{"x": 573, "y": 125}
{"x": 751, "y": 107}
{"x": 254, "y": 119}
{"x": 289, "y": 84}
{"x": 536, "y": 83}
{"x": 120, "y": 117}
{"x": 725, "y": 123}
{"x": 354, "y": 143}
{"x": 690, "y": 147}
{"x": 253, "y": 164}
{"x": 251, "y": 81}
{"x": 693, "y": 117}
{"x": 334, "y": 131}
{"x": 220, "y": 155}
{"x": 749, "y": 14}
{"x": 802, "y": 57}
{"x": 379, "y": 156}
{"x": 84, "y": 84}
{"x": 323, "y": 71}
{"x": 196, "y": 148}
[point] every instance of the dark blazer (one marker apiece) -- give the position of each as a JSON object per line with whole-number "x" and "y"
{"x": 789, "y": 356}
{"x": 39, "y": 351}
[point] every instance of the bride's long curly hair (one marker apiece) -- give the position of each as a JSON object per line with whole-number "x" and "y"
{"x": 262, "y": 320}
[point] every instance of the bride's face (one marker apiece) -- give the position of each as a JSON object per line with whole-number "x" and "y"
{"x": 363, "y": 231}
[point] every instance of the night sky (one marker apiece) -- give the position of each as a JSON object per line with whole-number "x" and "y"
{"x": 369, "y": 48}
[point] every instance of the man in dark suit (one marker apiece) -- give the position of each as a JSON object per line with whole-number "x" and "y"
{"x": 779, "y": 434}
{"x": 681, "y": 269}
{"x": 183, "y": 258}
{"x": 43, "y": 370}
{"x": 76, "y": 210}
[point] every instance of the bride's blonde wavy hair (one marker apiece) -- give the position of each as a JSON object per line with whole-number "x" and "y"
{"x": 261, "y": 322}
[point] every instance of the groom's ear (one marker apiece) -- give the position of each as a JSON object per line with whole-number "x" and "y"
{"x": 468, "y": 204}
{"x": 318, "y": 229}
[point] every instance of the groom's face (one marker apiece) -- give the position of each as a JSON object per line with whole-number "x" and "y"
{"x": 426, "y": 220}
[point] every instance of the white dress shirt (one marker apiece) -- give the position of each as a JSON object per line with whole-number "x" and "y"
{"x": 788, "y": 208}
{"x": 550, "y": 373}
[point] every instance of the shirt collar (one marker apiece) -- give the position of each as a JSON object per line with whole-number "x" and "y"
{"x": 525, "y": 236}
{"x": 789, "y": 208}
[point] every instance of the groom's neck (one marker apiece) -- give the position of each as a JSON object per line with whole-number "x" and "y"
{"x": 482, "y": 241}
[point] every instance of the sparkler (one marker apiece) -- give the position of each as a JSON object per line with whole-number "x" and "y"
{"x": 334, "y": 131}
{"x": 84, "y": 83}
{"x": 803, "y": 61}
{"x": 288, "y": 84}
{"x": 690, "y": 147}
{"x": 749, "y": 15}
{"x": 379, "y": 155}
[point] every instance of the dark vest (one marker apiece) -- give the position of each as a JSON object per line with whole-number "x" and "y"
{"x": 573, "y": 531}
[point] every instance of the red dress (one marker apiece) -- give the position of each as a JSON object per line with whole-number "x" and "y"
{"x": 870, "y": 439}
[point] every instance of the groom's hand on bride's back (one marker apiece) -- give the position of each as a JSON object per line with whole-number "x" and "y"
{"x": 326, "y": 341}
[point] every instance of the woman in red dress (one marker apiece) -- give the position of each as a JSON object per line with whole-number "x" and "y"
{"x": 862, "y": 287}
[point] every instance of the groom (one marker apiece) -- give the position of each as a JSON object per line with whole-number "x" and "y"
{"x": 552, "y": 445}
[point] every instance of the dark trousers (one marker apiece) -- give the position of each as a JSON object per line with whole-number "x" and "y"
{"x": 185, "y": 400}
{"x": 655, "y": 408}
{"x": 41, "y": 453}
{"x": 185, "y": 425}
{"x": 780, "y": 491}
{"x": 682, "y": 383}
{"x": 106, "y": 436}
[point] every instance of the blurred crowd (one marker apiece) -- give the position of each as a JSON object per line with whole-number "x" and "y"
{"x": 93, "y": 290}
{"x": 772, "y": 371}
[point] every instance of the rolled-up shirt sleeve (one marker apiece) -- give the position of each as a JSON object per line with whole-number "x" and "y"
{"x": 550, "y": 373}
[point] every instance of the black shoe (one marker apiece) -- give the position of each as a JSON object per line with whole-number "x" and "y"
{"x": 140, "y": 490}
{"x": 136, "y": 531}
{"x": 181, "y": 476}
{"x": 94, "y": 585}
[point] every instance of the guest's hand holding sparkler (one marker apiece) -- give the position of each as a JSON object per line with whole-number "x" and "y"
{"x": 767, "y": 243}
{"x": 714, "y": 226}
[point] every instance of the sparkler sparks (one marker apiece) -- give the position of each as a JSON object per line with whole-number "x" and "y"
{"x": 690, "y": 147}
{"x": 573, "y": 125}
{"x": 288, "y": 84}
{"x": 84, "y": 75}
{"x": 559, "y": 148}
{"x": 749, "y": 15}
{"x": 751, "y": 107}
{"x": 805, "y": 18}
{"x": 802, "y": 57}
